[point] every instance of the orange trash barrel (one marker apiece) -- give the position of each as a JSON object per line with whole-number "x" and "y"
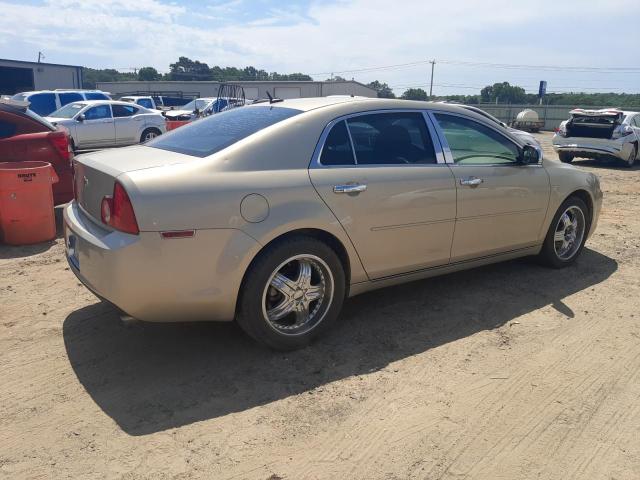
{"x": 26, "y": 202}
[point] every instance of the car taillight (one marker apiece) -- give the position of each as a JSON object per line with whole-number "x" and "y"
{"x": 622, "y": 131}
{"x": 60, "y": 142}
{"x": 117, "y": 211}
{"x": 562, "y": 131}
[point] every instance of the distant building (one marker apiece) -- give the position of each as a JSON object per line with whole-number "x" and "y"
{"x": 18, "y": 76}
{"x": 252, "y": 89}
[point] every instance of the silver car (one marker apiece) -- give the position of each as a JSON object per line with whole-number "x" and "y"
{"x": 607, "y": 133}
{"x": 108, "y": 123}
{"x": 274, "y": 213}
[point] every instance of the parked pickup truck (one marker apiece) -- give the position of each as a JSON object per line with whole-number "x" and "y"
{"x": 607, "y": 133}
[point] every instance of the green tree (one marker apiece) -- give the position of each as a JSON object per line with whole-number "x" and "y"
{"x": 187, "y": 69}
{"x": 415, "y": 94}
{"x": 91, "y": 76}
{"x": 384, "y": 90}
{"x": 503, "y": 93}
{"x": 148, "y": 74}
{"x": 336, "y": 78}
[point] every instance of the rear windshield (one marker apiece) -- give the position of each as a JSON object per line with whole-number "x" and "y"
{"x": 212, "y": 134}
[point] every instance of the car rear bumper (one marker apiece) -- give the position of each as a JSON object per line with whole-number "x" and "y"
{"x": 154, "y": 279}
{"x": 592, "y": 147}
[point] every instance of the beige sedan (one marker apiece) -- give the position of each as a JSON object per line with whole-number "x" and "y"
{"x": 274, "y": 213}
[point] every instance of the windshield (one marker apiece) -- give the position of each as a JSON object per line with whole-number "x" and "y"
{"x": 217, "y": 132}
{"x": 20, "y": 96}
{"x": 199, "y": 103}
{"x": 68, "y": 111}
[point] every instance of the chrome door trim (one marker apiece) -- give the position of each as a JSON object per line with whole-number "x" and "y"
{"x": 440, "y": 157}
{"x": 447, "y": 151}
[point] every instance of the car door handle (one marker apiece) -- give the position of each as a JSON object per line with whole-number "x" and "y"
{"x": 471, "y": 181}
{"x": 350, "y": 188}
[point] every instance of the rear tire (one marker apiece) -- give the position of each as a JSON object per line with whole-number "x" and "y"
{"x": 291, "y": 293}
{"x": 149, "y": 134}
{"x": 567, "y": 234}
{"x": 632, "y": 157}
{"x": 565, "y": 157}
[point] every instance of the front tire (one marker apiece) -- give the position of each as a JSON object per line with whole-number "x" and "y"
{"x": 149, "y": 134}
{"x": 567, "y": 234}
{"x": 565, "y": 157}
{"x": 291, "y": 293}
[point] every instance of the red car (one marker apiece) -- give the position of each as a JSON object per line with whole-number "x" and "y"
{"x": 27, "y": 136}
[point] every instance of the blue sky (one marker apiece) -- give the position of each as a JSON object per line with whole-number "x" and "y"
{"x": 320, "y": 37}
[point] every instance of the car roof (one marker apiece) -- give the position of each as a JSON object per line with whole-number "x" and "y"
{"x": 104, "y": 102}
{"x": 365, "y": 103}
{"x": 71, "y": 90}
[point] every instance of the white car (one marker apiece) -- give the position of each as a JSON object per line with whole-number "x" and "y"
{"x": 607, "y": 133}
{"x": 108, "y": 123}
{"x": 203, "y": 107}
{"x": 191, "y": 110}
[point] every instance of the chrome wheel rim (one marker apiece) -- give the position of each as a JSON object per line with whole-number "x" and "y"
{"x": 569, "y": 233}
{"x": 297, "y": 295}
{"x": 150, "y": 136}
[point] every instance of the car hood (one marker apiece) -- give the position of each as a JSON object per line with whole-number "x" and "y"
{"x": 58, "y": 121}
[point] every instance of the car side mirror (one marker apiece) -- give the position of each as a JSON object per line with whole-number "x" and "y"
{"x": 529, "y": 155}
{"x": 81, "y": 117}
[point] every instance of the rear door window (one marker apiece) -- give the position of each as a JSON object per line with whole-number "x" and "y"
{"x": 217, "y": 132}
{"x": 42, "y": 103}
{"x": 69, "y": 97}
{"x": 123, "y": 110}
{"x": 337, "y": 147}
{"x": 391, "y": 139}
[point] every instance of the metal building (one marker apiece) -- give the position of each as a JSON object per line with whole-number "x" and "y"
{"x": 252, "y": 89}
{"x": 18, "y": 76}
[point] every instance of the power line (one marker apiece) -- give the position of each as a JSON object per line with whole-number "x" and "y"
{"x": 565, "y": 68}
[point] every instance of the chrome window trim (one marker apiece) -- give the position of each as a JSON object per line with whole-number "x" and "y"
{"x": 447, "y": 151}
{"x": 317, "y": 164}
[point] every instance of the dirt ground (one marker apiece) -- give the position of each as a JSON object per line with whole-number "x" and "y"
{"x": 511, "y": 371}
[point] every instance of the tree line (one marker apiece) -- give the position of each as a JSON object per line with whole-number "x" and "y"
{"x": 186, "y": 69}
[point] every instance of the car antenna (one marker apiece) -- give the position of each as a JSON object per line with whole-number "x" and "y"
{"x": 273, "y": 100}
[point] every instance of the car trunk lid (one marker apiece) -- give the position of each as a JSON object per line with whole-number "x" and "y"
{"x": 95, "y": 173}
{"x": 593, "y": 123}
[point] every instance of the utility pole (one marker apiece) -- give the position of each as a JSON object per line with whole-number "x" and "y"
{"x": 433, "y": 64}
{"x": 40, "y": 56}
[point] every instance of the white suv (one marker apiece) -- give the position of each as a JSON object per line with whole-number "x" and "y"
{"x": 607, "y": 133}
{"x": 45, "y": 102}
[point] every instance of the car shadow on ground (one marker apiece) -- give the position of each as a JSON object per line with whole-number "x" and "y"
{"x": 608, "y": 163}
{"x": 20, "y": 251}
{"x": 152, "y": 377}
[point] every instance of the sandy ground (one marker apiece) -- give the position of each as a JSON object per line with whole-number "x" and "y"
{"x": 510, "y": 371}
